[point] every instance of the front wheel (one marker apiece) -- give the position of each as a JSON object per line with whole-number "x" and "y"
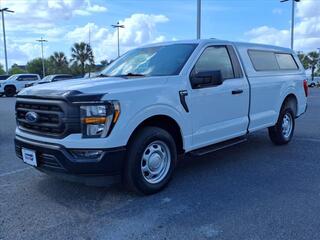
{"x": 10, "y": 91}
{"x": 282, "y": 132}
{"x": 151, "y": 160}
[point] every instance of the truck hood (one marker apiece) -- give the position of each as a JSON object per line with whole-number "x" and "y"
{"x": 90, "y": 86}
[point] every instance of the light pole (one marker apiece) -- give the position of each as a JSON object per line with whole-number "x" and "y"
{"x": 198, "y": 19}
{"x": 292, "y": 20}
{"x": 3, "y": 10}
{"x": 42, "y": 41}
{"x": 118, "y": 26}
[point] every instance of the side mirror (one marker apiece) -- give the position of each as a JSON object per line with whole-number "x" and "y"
{"x": 206, "y": 79}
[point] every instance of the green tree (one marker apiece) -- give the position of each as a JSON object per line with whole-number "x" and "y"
{"x": 82, "y": 56}
{"x": 303, "y": 60}
{"x": 58, "y": 63}
{"x": 15, "y": 69}
{"x": 311, "y": 61}
{"x": 1, "y": 69}
{"x": 35, "y": 66}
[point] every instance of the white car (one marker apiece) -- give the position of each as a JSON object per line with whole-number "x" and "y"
{"x": 16, "y": 83}
{"x": 157, "y": 102}
{"x": 51, "y": 78}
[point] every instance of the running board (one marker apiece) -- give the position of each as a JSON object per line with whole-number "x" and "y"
{"x": 218, "y": 146}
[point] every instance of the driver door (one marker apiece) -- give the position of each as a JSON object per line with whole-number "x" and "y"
{"x": 219, "y": 112}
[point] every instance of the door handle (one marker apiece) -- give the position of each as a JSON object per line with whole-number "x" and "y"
{"x": 239, "y": 91}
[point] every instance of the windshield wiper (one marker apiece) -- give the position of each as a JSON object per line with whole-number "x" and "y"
{"x": 103, "y": 75}
{"x": 131, "y": 75}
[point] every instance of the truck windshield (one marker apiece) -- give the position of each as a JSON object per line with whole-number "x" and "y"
{"x": 151, "y": 61}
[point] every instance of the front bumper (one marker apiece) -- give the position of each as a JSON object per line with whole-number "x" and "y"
{"x": 56, "y": 159}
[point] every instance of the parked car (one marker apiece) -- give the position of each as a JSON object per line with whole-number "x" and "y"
{"x": 51, "y": 78}
{"x": 16, "y": 83}
{"x": 4, "y": 77}
{"x": 158, "y": 102}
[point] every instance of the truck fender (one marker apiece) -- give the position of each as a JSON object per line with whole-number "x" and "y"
{"x": 164, "y": 110}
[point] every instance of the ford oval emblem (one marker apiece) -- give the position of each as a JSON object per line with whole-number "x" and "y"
{"x": 31, "y": 117}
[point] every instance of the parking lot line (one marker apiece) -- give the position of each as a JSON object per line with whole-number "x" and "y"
{"x": 307, "y": 139}
{"x": 14, "y": 172}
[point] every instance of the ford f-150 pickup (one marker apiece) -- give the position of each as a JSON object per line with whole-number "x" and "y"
{"x": 156, "y": 103}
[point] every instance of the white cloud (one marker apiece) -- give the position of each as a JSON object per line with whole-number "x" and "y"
{"x": 308, "y": 8}
{"x": 277, "y": 11}
{"x": 81, "y": 34}
{"x": 49, "y": 11}
{"x": 35, "y": 18}
{"x": 139, "y": 29}
{"x": 269, "y": 35}
{"x": 96, "y": 8}
{"x": 307, "y": 29}
{"x": 21, "y": 53}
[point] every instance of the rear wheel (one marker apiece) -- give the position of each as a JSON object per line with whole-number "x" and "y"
{"x": 282, "y": 132}
{"x": 10, "y": 91}
{"x": 151, "y": 160}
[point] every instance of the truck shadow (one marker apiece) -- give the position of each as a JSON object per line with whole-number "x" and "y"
{"x": 237, "y": 172}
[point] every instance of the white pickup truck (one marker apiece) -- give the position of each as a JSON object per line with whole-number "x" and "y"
{"x": 156, "y": 103}
{"x": 16, "y": 83}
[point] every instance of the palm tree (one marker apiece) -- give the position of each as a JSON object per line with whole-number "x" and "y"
{"x": 82, "y": 55}
{"x": 59, "y": 62}
{"x": 310, "y": 61}
{"x": 59, "y": 59}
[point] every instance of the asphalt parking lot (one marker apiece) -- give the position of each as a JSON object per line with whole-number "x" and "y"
{"x": 251, "y": 191}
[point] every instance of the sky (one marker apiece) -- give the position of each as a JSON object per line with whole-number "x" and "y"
{"x": 64, "y": 22}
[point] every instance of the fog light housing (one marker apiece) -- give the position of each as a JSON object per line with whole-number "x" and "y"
{"x": 83, "y": 155}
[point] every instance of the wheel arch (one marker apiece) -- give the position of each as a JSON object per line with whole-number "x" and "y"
{"x": 292, "y": 101}
{"x": 165, "y": 122}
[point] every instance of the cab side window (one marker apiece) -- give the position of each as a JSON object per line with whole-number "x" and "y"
{"x": 27, "y": 78}
{"x": 215, "y": 58}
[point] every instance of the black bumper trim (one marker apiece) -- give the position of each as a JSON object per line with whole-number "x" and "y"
{"x": 56, "y": 158}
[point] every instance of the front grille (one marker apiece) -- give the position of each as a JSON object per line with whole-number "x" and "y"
{"x": 55, "y": 118}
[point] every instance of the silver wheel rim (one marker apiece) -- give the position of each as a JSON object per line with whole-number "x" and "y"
{"x": 287, "y": 125}
{"x": 155, "y": 162}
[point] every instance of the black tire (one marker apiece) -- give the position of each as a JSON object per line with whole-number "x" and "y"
{"x": 276, "y": 133}
{"x": 134, "y": 178}
{"x": 312, "y": 85}
{"x": 10, "y": 91}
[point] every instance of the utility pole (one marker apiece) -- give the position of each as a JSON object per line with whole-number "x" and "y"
{"x": 118, "y": 26}
{"x": 90, "y": 47}
{"x": 42, "y": 41}
{"x": 292, "y": 20}
{"x": 3, "y": 10}
{"x": 198, "y": 19}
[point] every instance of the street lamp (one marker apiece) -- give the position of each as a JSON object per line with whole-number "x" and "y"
{"x": 118, "y": 26}
{"x": 198, "y": 19}
{"x": 3, "y": 10}
{"x": 42, "y": 41}
{"x": 292, "y": 19}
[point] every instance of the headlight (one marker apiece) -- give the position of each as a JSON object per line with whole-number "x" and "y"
{"x": 98, "y": 120}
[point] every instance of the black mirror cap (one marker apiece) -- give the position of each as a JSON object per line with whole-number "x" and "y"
{"x": 206, "y": 79}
